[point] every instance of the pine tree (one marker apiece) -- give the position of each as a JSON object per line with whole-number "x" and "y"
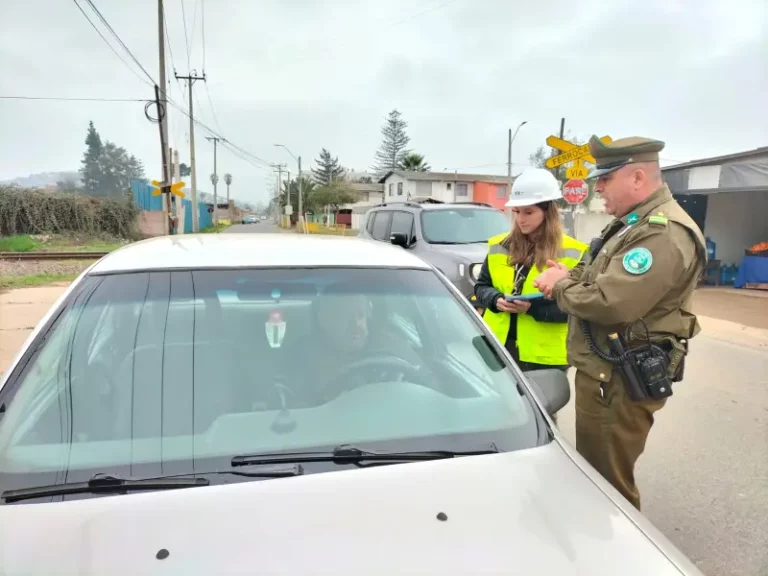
{"x": 328, "y": 169}
{"x": 91, "y": 171}
{"x": 394, "y": 145}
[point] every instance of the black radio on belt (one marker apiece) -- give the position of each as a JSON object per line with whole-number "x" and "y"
{"x": 652, "y": 365}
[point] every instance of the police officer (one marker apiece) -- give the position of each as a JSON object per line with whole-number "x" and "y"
{"x": 633, "y": 293}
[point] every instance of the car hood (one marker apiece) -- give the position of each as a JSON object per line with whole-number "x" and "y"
{"x": 472, "y": 253}
{"x": 527, "y": 512}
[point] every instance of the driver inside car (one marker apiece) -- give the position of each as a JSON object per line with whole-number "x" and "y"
{"x": 347, "y": 348}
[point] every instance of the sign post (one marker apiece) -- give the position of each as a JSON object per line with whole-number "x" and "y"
{"x": 575, "y": 191}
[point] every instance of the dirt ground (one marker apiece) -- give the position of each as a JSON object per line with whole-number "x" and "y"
{"x": 747, "y": 307}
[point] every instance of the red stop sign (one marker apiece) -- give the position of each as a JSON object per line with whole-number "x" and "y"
{"x": 575, "y": 191}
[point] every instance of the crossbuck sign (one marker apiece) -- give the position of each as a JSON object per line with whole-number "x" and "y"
{"x": 572, "y": 153}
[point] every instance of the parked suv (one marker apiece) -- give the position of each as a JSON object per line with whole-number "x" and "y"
{"x": 451, "y": 237}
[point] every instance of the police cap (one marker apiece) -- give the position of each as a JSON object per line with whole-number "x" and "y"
{"x": 621, "y": 152}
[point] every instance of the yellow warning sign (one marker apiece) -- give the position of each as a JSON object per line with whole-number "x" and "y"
{"x": 174, "y": 188}
{"x": 570, "y": 151}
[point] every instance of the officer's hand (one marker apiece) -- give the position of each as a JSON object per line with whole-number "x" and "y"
{"x": 547, "y": 279}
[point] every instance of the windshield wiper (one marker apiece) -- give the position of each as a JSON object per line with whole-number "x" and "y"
{"x": 347, "y": 454}
{"x": 102, "y": 484}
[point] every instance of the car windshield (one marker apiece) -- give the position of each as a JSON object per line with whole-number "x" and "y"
{"x": 462, "y": 225}
{"x": 159, "y": 372}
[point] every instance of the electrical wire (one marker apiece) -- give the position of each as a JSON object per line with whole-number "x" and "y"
{"x": 186, "y": 37}
{"x": 68, "y": 99}
{"x": 115, "y": 52}
{"x": 104, "y": 21}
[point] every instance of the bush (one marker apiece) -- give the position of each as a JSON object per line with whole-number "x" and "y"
{"x": 34, "y": 211}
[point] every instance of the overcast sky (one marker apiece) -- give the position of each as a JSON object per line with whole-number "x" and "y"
{"x": 312, "y": 74}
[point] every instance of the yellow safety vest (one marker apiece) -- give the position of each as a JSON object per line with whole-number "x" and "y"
{"x": 538, "y": 342}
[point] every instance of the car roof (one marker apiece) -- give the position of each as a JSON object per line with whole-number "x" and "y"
{"x": 268, "y": 250}
{"x": 433, "y": 206}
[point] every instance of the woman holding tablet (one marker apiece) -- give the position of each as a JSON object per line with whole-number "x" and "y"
{"x": 532, "y": 328}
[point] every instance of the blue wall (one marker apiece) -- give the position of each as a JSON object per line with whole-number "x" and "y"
{"x": 143, "y": 199}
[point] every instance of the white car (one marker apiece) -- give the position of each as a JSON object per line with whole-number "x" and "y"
{"x": 386, "y": 431}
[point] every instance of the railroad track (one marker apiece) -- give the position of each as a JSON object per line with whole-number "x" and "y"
{"x": 52, "y": 255}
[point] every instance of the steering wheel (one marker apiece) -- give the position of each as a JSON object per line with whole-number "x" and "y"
{"x": 384, "y": 363}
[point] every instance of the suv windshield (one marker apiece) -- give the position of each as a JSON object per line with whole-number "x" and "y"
{"x": 159, "y": 372}
{"x": 462, "y": 225}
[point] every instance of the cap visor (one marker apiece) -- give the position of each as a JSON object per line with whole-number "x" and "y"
{"x": 597, "y": 172}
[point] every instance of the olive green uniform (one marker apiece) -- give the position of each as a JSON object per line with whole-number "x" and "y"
{"x": 613, "y": 294}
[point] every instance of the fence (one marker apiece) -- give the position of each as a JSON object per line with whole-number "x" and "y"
{"x": 143, "y": 199}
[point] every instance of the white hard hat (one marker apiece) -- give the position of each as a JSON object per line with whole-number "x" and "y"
{"x": 533, "y": 186}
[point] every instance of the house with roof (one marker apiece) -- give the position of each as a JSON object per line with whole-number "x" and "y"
{"x": 449, "y": 187}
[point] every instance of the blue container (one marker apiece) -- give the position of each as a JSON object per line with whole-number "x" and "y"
{"x": 724, "y": 270}
{"x": 711, "y": 249}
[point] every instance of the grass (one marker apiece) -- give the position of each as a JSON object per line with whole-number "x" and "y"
{"x": 25, "y": 243}
{"x": 213, "y": 229}
{"x": 34, "y": 280}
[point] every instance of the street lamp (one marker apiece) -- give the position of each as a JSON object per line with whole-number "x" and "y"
{"x": 509, "y": 150}
{"x": 298, "y": 161}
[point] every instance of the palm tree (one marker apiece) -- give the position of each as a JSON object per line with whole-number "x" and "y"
{"x": 413, "y": 162}
{"x": 228, "y": 181}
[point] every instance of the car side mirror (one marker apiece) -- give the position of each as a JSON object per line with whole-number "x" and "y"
{"x": 551, "y": 387}
{"x": 399, "y": 239}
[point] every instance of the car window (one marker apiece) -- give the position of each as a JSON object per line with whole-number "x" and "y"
{"x": 462, "y": 225}
{"x": 402, "y": 222}
{"x": 164, "y": 369}
{"x": 381, "y": 225}
{"x": 369, "y": 224}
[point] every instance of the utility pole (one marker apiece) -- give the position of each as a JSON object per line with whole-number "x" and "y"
{"x": 302, "y": 221}
{"x": 193, "y": 170}
{"x": 279, "y": 168}
{"x": 163, "y": 112}
{"x": 215, "y": 140}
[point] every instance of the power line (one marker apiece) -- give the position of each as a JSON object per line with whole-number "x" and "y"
{"x": 202, "y": 2}
{"x": 186, "y": 37}
{"x": 104, "y": 21}
{"x": 170, "y": 101}
{"x": 115, "y": 52}
{"x": 68, "y": 99}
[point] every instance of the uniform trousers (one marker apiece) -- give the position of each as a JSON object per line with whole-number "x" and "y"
{"x": 611, "y": 430}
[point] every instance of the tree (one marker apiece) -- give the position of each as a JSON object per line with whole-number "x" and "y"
{"x": 290, "y": 192}
{"x": 338, "y": 193}
{"x": 107, "y": 169}
{"x": 184, "y": 170}
{"x": 328, "y": 168}
{"x": 414, "y": 162}
{"x": 116, "y": 170}
{"x": 228, "y": 182}
{"x": 394, "y": 144}
{"x": 90, "y": 171}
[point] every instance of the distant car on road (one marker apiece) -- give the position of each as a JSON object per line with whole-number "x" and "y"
{"x": 451, "y": 237}
{"x": 384, "y": 416}
{"x": 250, "y": 220}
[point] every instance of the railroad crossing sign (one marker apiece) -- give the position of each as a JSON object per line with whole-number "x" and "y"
{"x": 572, "y": 153}
{"x": 575, "y": 191}
{"x": 162, "y": 187}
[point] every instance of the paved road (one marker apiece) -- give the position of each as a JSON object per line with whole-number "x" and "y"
{"x": 263, "y": 227}
{"x": 704, "y": 475}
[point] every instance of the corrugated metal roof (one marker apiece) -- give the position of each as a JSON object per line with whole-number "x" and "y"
{"x": 718, "y": 159}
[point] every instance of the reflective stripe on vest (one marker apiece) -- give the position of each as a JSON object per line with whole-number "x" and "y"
{"x": 538, "y": 342}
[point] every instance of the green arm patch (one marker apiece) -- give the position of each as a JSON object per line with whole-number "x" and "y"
{"x": 658, "y": 220}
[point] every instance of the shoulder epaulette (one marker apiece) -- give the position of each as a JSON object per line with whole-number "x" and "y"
{"x": 658, "y": 220}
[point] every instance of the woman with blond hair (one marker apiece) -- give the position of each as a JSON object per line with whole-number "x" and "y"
{"x": 533, "y": 329}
